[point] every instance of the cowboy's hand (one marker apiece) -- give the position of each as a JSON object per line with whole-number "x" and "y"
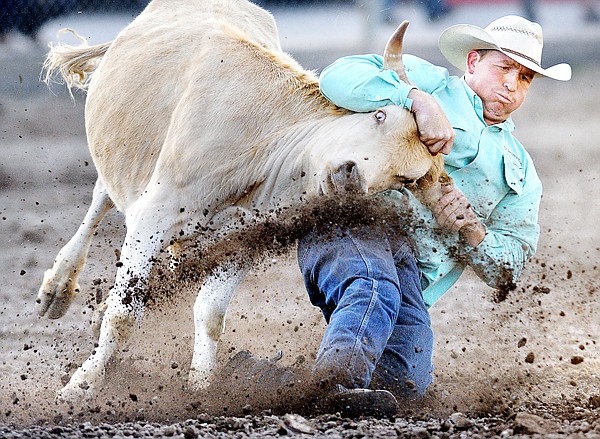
{"x": 435, "y": 130}
{"x": 453, "y": 212}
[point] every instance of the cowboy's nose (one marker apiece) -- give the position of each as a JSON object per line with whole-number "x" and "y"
{"x": 510, "y": 82}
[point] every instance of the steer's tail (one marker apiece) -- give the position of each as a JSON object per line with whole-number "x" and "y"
{"x": 74, "y": 63}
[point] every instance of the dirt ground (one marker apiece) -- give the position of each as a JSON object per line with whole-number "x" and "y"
{"x": 529, "y": 364}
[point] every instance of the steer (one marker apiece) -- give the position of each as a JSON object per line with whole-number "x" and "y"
{"x": 194, "y": 117}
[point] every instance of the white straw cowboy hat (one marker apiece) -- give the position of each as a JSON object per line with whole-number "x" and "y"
{"x": 516, "y": 37}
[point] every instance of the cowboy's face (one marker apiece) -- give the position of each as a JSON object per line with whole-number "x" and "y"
{"x": 499, "y": 81}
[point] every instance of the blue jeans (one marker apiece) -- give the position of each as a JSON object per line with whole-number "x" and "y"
{"x": 368, "y": 288}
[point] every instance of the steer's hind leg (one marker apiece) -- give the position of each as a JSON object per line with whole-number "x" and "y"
{"x": 146, "y": 228}
{"x": 209, "y": 319}
{"x": 59, "y": 286}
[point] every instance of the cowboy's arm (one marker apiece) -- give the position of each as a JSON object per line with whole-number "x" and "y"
{"x": 511, "y": 236}
{"x": 453, "y": 213}
{"x": 360, "y": 83}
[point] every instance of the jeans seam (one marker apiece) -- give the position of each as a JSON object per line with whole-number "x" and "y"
{"x": 302, "y": 257}
{"x": 369, "y": 311}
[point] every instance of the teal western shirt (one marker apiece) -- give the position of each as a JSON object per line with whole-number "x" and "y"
{"x": 487, "y": 164}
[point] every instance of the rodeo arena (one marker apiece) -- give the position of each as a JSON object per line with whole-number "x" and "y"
{"x": 136, "y": 235}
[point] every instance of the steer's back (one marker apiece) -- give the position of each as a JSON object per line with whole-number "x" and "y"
{"x": 148, "y": 73}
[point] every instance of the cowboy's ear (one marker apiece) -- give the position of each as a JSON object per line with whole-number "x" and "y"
{"x": 472, "y": 59}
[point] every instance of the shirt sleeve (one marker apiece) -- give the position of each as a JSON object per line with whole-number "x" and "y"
{"x": 359, "y": 83}
{"x": 511, "y": 239}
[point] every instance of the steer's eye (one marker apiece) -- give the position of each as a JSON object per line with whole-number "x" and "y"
{"x": 380, "y": 116}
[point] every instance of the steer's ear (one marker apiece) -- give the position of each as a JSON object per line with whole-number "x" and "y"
{"x": 392, "y": 55}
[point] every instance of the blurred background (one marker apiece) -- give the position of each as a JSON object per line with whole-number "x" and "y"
{"x": 318, "y": 31}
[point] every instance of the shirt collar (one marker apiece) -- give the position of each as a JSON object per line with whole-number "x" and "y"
{"x": 475, "y": 100}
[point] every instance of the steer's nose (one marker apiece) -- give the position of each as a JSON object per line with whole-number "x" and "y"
{"x": 347, "y": 169}
{"x": 347, "y": 178}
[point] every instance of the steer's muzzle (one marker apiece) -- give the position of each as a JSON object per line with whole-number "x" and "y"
{"x": 345, "y": 178}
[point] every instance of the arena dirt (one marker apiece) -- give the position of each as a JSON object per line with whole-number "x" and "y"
{"x": 528, "y": 364}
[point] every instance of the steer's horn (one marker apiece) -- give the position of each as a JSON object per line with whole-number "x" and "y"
{"x": 392, "y": 55}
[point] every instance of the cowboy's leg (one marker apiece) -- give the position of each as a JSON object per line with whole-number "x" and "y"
{"x": 406, "y": 366}
{"x": 351, "y": 276}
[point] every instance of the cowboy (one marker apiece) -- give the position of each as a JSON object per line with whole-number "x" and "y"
{"x": 375, "y": 291}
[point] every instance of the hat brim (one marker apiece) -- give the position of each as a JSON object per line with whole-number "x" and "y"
{"x": 457, "y": 41}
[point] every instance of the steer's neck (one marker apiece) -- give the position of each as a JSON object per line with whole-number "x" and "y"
{"x": 290, "y": 176}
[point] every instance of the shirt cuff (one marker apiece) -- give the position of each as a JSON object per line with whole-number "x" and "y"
{"x": 477, "y": 252}
{"x": 402, "y": 98}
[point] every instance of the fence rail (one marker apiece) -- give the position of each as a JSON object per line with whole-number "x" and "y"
{"x": 27, "y": 16}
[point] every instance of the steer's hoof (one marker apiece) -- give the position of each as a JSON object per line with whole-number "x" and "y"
{"x": 55, "y": 295}
{"x": 72, "y": 394}
{"x": 198, "y": 380}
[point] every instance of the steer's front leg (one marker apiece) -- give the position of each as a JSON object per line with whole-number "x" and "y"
{"x": 59, "y": 286}
{"x": 210, "y": 309}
